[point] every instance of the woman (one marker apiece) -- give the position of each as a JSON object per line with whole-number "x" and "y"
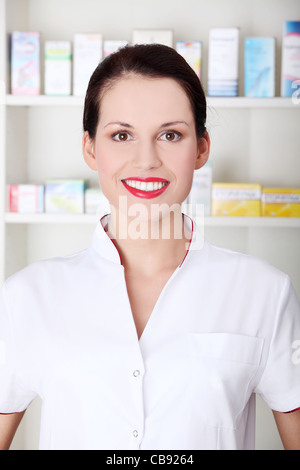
{"x": 151, "y": 338}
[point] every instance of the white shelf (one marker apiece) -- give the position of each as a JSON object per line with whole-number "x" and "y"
{"x": 276, "y": 222}
{"x": 15, "y": 218}
{"x": 244, "y": 102}
{"x": 238, "y": 102}
{"x": 43, "y": 100}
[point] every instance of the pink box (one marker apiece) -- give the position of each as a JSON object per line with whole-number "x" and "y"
{"x": 26, "y": 198}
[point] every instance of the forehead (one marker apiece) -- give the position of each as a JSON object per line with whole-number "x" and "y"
{"x": 138, "y": 99}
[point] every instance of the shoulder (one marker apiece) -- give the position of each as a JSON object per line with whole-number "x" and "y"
{"x": 240, "y": 266}
{"x": 45, "y": 273}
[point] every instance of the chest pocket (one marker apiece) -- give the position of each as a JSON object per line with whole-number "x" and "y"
{"x": 222, "y": 368}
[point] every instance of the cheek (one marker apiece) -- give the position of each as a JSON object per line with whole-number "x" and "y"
{"x": 183, "y": 162}
{"x": 107, "y": 168}
{"x": 183, "y": 168}
{"x": 107, "y": 163}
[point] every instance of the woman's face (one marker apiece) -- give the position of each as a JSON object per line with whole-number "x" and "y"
{"x": 145, "y": 147}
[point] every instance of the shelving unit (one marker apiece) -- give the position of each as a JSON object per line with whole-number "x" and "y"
{"x": 238, "y": 102}
{"x": 276, "y": 222}
{"x": 43, "y": 100}
{"x": 253, "y": 140}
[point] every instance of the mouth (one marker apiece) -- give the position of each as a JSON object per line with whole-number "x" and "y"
{"x": 146, "y": 188}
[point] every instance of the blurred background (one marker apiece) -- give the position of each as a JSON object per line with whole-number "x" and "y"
{"x": 254, "y": 139}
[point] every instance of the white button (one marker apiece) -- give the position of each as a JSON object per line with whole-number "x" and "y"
{"x": 136, "y": 373}
{"x": 135, "y": 433}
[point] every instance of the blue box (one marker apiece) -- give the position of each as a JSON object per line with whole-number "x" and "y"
{"x": 259, "y": 67}
{"x": 25, "y": 63}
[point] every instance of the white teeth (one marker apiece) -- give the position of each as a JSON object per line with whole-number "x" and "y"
{"x": 143, "y": 186}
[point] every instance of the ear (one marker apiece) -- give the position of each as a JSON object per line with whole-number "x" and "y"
{"x": 88, "y": 150}
{"x": 203, "y": 151}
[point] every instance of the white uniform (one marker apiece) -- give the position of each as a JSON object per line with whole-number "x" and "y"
{"x": 226, "y": 326}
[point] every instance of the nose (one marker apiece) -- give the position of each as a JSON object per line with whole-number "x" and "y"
{"x": 146, "y": 156}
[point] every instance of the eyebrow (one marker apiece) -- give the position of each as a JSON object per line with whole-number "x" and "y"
{"x": 172, "y": 123}
{"x": 129, "y": 126}
{"x": 118, "y": 123}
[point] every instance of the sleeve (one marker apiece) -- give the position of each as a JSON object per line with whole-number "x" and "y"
{"x": 280, "y": 383}
{"x": 14, "y": 397}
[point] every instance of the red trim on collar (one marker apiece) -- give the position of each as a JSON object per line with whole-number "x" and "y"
{"x": 105, "y": 228}
{"x": 106, "y": 231}
{"x": 188, "y": 249}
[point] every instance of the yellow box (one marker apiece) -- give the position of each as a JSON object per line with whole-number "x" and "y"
{"x": 236, "y": 199}
{"x": 281, "y": 202}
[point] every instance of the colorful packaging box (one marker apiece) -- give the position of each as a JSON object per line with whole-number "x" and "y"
{"x": 223, "y": 57}
{"x": 192, "y": 52}
{"x": 201, "y": 189}
{"x": 58, "y": 65}
{"x": 26, "y": 198}
{"x": 290, "y": 65}
{"x": 25, "y": 63}
{"x": 95, "y": 201}
{"x": 236, "y": 199}
{"x": 281, "y": 202}
{"x": 87, "y": 54}
{"x": 152, "y": 36}
{"x": 259, "y": 67}
{"x": 65, "y": 196}
{"x": 111, "y": 46}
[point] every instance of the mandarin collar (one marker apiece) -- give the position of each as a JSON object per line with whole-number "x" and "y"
{"x": 107, "y": 249}
{"x": 103, "y": 244}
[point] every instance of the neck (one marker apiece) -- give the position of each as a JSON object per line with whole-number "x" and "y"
{"x": 148, "y": 246}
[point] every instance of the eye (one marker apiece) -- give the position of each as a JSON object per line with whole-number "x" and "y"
{"x": 121, "y": 136}
{"x": 171, "y": 136}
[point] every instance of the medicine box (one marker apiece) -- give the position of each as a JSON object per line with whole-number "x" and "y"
{"x": 26, "y": 198}
{"x": 58, "y": 68}
{"x": 111, "y": 46}
{"x": 259, "y": 67}
{"x": 96, "y": 202}
{"x": 236, "y": 199}
{"x": 290, "y": 65}
{"x": 152, "y": 36}
{"x": 87, "y": 54}
{"x": 191, "y": 51}
{"x": 201, "y": 189}
{"x": 65, "y": 196}
{"x": 25, "y": 63}
{"x": 281, "y": 202}
{"x": 223, "y": 62}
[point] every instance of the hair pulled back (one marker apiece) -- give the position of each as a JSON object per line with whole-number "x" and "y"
{"x": 149, "y": 60}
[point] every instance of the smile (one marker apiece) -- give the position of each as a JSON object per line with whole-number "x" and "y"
{"x": 145, "y": 187}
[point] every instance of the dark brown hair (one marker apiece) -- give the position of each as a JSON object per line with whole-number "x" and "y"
{"x": 151, "y": 60}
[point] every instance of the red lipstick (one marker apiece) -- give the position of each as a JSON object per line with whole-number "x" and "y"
{"x": 146, "y": 188}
